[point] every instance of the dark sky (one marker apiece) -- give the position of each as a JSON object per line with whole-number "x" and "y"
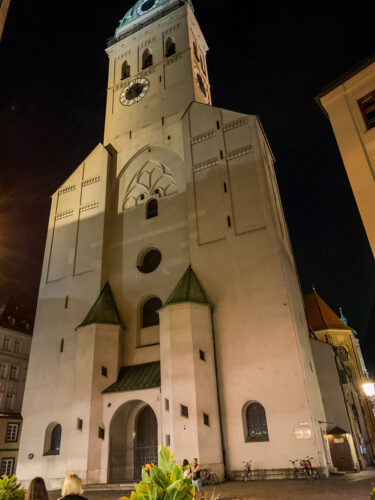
{"x": 269, "y": 58}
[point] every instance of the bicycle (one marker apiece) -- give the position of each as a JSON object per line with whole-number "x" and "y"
{"x": 296, "y": 470}
{"x": 208, "y": 477}
{"x": 246, "y": 473}
{"x": 310, "y": 471}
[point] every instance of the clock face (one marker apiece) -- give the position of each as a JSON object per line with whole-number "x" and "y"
{"x": 146, "y": 5}
{"x": 134, "y": 92}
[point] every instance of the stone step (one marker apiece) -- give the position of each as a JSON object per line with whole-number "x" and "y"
{"x": 109, "y": 486}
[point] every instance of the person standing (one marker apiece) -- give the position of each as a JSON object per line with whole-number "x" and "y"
{"x": 196, "y": 477}
{"x": 37, "y": 490}
{"x": 72, "y": 488}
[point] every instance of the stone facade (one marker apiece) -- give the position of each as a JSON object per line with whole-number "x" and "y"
{"x": 168, "y": 249}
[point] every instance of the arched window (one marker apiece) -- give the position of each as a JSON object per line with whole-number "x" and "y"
{"x": 150, "y": 317}
{"x": 146, "y": 59}
{"x": 52, "y": 440}
{"x": 125, "y": 70}
{"x": 170, "y": 47}
{"x": 195, "y": 49}
{"x": 152, "y": 208}
{"x": 255, "y": 423}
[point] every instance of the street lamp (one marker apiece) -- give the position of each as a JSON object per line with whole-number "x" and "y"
{"x": 369, "y": 389}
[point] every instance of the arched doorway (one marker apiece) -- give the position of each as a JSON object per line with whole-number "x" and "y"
{"x": 146, "y": 440}
{"x": 133, "y": 441}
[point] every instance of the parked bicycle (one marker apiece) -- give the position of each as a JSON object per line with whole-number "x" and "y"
{"x": 296, "y": 470}
{"x": 309, "y": 471}
{"x": 208, "y": 477}
{"x": 246, "y": 473}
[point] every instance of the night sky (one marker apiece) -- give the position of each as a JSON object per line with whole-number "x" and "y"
{"x": 269, "y": 58}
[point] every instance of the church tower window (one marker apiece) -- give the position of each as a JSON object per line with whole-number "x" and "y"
{"x": 201, "y": 84}
{"x": 152, "y": 208}
{"x": 150, "y": 316}
{"x": 52, "y": 441}
{"x": 195, "y": 49}
{"x": 255, "y": 423}
{"x": 170, "y": 47}
{"x": 149, "y": 260}
{"x": 147, "y": 59}
{"x": 125, "y": 70}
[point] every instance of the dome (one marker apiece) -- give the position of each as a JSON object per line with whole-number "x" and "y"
{"x": 143, "y": 7}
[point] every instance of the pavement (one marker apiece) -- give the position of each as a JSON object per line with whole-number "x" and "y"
{"x": 347, "y": 487}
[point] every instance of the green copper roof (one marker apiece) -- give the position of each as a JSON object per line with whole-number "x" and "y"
{"x": 104, "y": 311}
{"x": 188, "y": 289}
{"x": 141, "y": 8}
{"x": 136, "y": 378}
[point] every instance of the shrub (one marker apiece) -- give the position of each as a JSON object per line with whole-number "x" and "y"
{"x": 163, "y": 482}
{"x": 372, "y": 496}
{"x": 10, "y": 489}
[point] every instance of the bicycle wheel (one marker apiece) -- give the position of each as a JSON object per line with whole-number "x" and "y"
{"x": 244, "y": 476}
{"x": 316, "y": 474}
{"x": 212, "y": 479}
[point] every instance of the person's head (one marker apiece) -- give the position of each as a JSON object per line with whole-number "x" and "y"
{"x": 37, "y": 490}
{"x": 72, "y": 485}
{"x": 185, "y": 462}
{"x": 195, "y": 461}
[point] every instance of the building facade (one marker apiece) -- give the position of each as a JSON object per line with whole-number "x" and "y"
{"x": 15, "y": 341}
{"x": 349, "y": 103}
{"x": 4, "y": 7}
{"x": 169, "y": 309}
{"x": 351, "y": 431}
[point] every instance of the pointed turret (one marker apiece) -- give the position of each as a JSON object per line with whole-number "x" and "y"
{"x": 104, "y": 311}
{"x": 188, "y": 289}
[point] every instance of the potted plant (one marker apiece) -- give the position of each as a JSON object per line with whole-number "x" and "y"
{"x": 165, "y": 481}
{"x": 10, "y": 488}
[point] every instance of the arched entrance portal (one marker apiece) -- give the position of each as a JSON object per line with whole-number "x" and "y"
{"x": 146, "y": 440}
{"x": 133, "y": 441}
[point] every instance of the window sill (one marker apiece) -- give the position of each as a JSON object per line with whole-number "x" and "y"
{"x": 257, "y": 439}
{"x": 51, "y": 453}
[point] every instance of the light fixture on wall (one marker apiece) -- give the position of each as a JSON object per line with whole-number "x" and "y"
{"x": 369, "y": 389}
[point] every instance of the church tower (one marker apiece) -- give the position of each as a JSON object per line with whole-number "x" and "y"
{"x": 169, "y": 309}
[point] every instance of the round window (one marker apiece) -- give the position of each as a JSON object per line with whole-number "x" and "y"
{"x": 149, "y": 261}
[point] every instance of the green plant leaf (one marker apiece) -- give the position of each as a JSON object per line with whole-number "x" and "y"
{"x": 145, "y": 476}
{"x": 177, "y": 474}
{"x": 180, "y": 490}
{"x": 158, "y": 477}
{"x": 146, "y": 491}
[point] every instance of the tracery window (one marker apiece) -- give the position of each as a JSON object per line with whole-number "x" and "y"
{"x": 256, "y": 423}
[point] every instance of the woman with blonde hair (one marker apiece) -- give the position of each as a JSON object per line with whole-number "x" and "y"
{"x": 37, "y": 490}
{"x": 72, "y": 488}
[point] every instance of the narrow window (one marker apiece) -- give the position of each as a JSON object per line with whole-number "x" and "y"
{"x": 17, "y": 346}
{"x": 195, "y": 50}
{"x": 125, "y": 70}
{"x": 101, "y": 433}
{"x": 130, "y": 134}
{"x": 150, "y": 316}
{"x": 218, "y": 125}
{"x": 6, "y": 344}
{"x": 367, "y": 107}
{"x": 7, "y": 466}
{"x": 256, "y": 423}
{"x": 62, "y": 341}
{"x": 14, "y": 372}
{"x": 201, "y": 84}
{"x": 202, "y": 355}
{"x": 229, "y": 221}
{"x": 162, "y": 120}
{"x": 9, "y": 402}
{"x": 225, "y": 187}
{"x": 152, "y": 208}
{"x": 104, "y": 371}
{"x": 184, "y": 411}
{"x": 221, "y": 155}
{"x": 66, "y": 302}
{"x": 56, "y": 439}
{"x": 166, "y": 401}
{"x": 170, "y": 47}
{"x": 167, "y": 440}
{"x": 79, "y": 424}
{"x": 11, "y": 435}
{"x": 3, "y": 370}
{"x": 206, "y": 419}
{"x": 146, "y": 59}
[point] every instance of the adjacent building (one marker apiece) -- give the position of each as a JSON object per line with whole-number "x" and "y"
{"x": 341, "y": 372}
{"x": 16, "y": 329}
{"x": 4, "y": 7}
{"x": 349, "y": 103}
{"x": 169, "y": 309}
